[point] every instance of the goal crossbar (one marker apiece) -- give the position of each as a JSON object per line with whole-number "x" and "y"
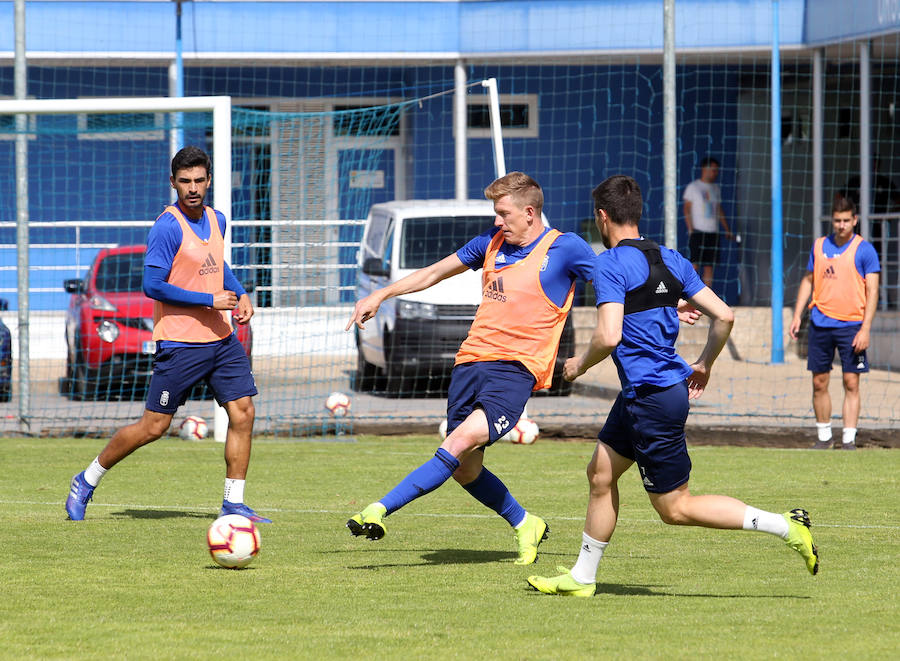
{"x": 220, "y": 106}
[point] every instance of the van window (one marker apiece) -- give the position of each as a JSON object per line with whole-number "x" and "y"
{"x": 425, "y": 241}
{"x": 375, "y": 237}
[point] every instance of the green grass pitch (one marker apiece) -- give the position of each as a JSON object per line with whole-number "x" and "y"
{"x": 134, "y": 580}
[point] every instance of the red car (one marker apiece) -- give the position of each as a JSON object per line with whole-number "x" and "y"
{"x": 109, "y": 330}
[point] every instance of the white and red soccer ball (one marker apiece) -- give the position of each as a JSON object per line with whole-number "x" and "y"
{"x": 193, "y": 428}
{"x": 233, "y": 541}
{"x": 338, "y": 404}
{"x": 525, "y": 432}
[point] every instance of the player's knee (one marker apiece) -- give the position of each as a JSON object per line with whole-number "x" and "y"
{"x": 242, "y": 414}
{"x": 464, "y": 474}
{"x": 670, "y": 513}
{"x": 152, "y": 430}
{"x": 672, "y": 517}
{"x": 599, "y": 481}
{"x": 461, "y": 444}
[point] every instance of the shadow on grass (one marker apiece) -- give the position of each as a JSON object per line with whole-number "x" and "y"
{"x": 627, "y": 590}
{"x": 446, "y": 557}
{"x": 163, "y": 514}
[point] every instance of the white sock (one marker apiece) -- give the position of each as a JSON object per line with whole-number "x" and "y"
{"x": 769, "y": 522}
{"x": 234, "y": 490}
{"x": 823, "y": 429}
{"x": 849, "y": 434}
{"x": 585, "y": 569}
{"x": 94, "y": 473}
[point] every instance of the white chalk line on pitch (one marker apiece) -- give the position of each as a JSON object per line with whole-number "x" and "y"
{"x": 419, "y": 514}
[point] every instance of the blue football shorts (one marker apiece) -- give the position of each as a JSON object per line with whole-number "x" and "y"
{"x": 501, "y": 388}
{"x": 223, "y": 365}
{"x": 649, "y": 430}
{"x": 822, "y": 343}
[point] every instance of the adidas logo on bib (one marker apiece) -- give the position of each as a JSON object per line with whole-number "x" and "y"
{"x": 661, "y": 288}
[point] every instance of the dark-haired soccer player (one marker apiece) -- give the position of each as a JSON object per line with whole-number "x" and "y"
{"x": 509, "y": 352}
{"x": 638, "y": 285}
{"x": 194, "y": 292}
{"x": 842, "y": 276}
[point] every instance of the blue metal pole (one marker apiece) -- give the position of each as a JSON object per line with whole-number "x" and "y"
{"x": 777, "y": 221}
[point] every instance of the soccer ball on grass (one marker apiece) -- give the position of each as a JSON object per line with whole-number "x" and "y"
{"x": 233, "y": 541}
{"x": 193, "y": 428}
{"x": 338, "y": 404}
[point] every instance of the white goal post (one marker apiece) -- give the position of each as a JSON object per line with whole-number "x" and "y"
{"x": 220, "y": 106}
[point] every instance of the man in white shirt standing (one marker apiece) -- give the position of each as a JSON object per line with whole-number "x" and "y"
{"x": 703, "y": 214}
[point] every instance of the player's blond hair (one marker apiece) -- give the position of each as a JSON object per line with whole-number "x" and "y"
{"x": 524, "y": 190}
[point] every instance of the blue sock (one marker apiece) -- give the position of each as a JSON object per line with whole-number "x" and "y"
{"x": 425, "y": 479}
{"x": 491, "y": 492}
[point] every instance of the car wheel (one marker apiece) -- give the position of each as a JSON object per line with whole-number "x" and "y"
{"x": 83, "y": 385}
{"x": 5, "y": 394}
{"x": 67, "y": 382}
{"x": 394, "y": 381}
{"x": 366, "y": 374}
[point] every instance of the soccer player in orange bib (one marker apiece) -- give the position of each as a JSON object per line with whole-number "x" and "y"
{"x": 194, "y": 293}
{"x": 842, "y": 276}
{"x": 528, "y": 280}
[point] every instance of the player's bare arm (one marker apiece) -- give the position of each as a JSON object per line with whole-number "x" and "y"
{"x": 424, "y": 278}
{"x": 244, "y": 310}
{"x": 803, "y": 294}
{"x": 721, "y": 321}
{"x": 862, "y": 338}
{"x": 605, "y": 338}
{"x": 225, "y": 300}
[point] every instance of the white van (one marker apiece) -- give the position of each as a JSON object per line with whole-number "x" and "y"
{"x": 411, "y": 343}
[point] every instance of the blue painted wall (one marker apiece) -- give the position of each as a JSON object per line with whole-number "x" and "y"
{"x": 465, "y": 27}
{"x": 593, "y": 122}
{"x": 830, "y": 20}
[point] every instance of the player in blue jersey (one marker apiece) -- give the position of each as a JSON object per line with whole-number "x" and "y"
{"x": 638, "y": 285}
{"x": 509, "y": 352}
{"x": 194, "y": 292}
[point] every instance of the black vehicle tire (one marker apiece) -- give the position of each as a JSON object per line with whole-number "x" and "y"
{"x": 396, "y": 382}
{"x": 67, "y": 382}
{"x": 80, "y": 386}
{"x": 366, "y": 376}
